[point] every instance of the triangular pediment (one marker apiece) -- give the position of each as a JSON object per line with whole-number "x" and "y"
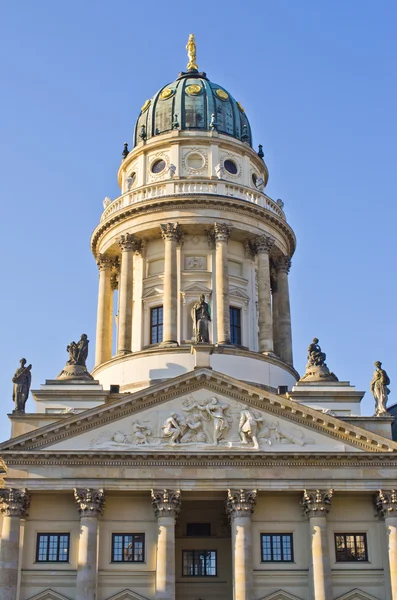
{"x": 197, "y": 288}
{"x": 356, "y": 594}
{"x": 48, "y": 595}
{"x": 152, "y": 292}
{"x": 214, "y": 413}
{"x": 238, "y": 293}
{"x": 127, "y": 595}
{"x": 281, "y": 595}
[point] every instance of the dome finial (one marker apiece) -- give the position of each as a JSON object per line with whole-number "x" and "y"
{"x": 191, "y": 52}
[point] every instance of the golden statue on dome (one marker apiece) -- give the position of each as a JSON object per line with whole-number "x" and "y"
{"x": 191, "y": 52}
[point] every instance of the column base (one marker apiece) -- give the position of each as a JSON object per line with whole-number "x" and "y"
{"x": 269, "y": 353}
{"x": 123, "y": 352}
{"x": 169, "y": 344}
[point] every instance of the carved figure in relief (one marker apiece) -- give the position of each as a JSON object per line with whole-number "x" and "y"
{"x": 201, "y": 319}
{"x": 248, "y": 426}
{"x": 273, "y": 434}
{"x": 173, "y": 428}
{"x": 78, "y": 352}
{"x": 140, "y": 433}
{"x": 219, "y": 170}
{"x": 194, "y": 430}
{"x": 21, "y": 380}
{"x": 215, "y": 411}
{"x": 171, "y": 171}
{"x": 379, "y": 389}
{"x": 260, "y": 184}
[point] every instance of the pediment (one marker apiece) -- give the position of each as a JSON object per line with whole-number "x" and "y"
{"x": 281, "y": 595}
{"x": 212, "y": 411}
{"x": 197, "y": 288}
{"x": 152, "y": 292}
{"x": 48, "y": 595}
{"x": 357, "y": 594}
{"x": 238, "y": 293}
{"x": 127, "y": 595}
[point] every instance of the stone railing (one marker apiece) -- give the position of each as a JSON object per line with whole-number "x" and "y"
{"x": 191, "y": 187}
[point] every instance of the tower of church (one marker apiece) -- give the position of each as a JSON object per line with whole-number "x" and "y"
{"x": 192, "y": 463}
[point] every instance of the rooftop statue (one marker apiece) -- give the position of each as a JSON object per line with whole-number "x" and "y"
{"x": 316, "y": 369}
{"x": 191, "y": 52}
{"x": 75, "y": 367}
{"x": 379, "y": 389}
{"x": 21, "y": 380}
{"x": 201, "y": 319}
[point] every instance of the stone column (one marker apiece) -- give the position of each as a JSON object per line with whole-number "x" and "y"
{"x": 171, "y": 234}
{"x": 386, "y": 504}
{"x": 316, "y": 504}
{"x": 90, "y": 504}
{"x": 103, "y": 348}
{"x": 274, "y": 290}
{"x": 240, "y": 506}
{"x": 222, "y": 234}
{"x": 128, "y": 245}
{"x": 166, "y": 506}
{"x": 14, "y": 504}
{"x": 284, "y": 312}
{"x": 265, "y": 322}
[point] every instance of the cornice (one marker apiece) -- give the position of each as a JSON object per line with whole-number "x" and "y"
{"x": 279, "y": 406}
{"x": 218, "y": 202}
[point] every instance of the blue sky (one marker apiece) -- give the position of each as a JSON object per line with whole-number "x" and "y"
{"x": 317, "y": 80}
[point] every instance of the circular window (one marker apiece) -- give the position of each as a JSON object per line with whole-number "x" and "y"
{"x": 158, "y": 166}
{"x": 195, "y": 161}
{"x": 254, "y": 178}
{"x": 230, "y": 167}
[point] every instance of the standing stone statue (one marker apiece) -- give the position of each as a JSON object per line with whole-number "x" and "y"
{"x": 21, "y": 380}
{"x": 201, "y": 319}
{"x": 379, "y": 389}
{"x": 75, "y": 367}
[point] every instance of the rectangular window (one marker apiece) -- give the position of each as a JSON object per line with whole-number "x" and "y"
{"x": 198, "y": 529}
{"x": 199, "y": 563}
{"x": 351, "y": 547}
{"x": 156, "y": 325}
{"x": 277, "y": 547}
{"x": 235, "y": 325}
{"x": 128, "y": 547}
{"x": 52, "y": 547}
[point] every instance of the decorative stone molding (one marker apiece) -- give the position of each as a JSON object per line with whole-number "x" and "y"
{"x": 128, "y": 242}
{"x": 249, "y": 249}
{"x": 103, "y": 261}
{"x": 240, "y": 503}
{"x": 90, "y": 503}
{"x": 222, "y": 232}
{"x": 316, "y": 503}
{"x": 114, "y": 281}
{"x": 14, "y": 502}
{"x": 264, "y": 244}
{"x": 166, "y": 503}
{"x": 170, "y": 231}
{"x": 386, "y": 503}
{"x": 283, "y": 264}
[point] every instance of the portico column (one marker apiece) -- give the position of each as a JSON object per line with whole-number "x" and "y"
{"x": 240, "y": 506}
{"x": 284, "y": 312}
{"x": 103, "y": 348}
{"x": 386, "y": 504}
{"x": 263, "y": 247}
{"x": 316, "y": 504}
{"x": 166, "y": 506}
{"x": 171, "y": 234}
{"x": 90, "y": 504}
{"x": 222, "y": 234}
{"x": 128, "y": 245}
{"x": 14, "y": 504}
{"x": 274, "y": 290}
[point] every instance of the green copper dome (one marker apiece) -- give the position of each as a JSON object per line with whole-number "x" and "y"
{"x": 192, "y": 102}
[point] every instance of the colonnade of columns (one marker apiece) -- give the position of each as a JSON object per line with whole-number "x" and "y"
{"x": 240, "y": 505}
{"x": 274, "y": 318}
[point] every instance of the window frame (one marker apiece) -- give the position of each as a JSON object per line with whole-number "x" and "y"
{"x": 124, "y": 535}
{"x": 152, "y": 309}
{"x": 281, "y": 535}
{"x": 236, "y": 327}
{"x": 198, "y": 551}
{"x": 354, "y": 535}
{"x": 50, "y": 534}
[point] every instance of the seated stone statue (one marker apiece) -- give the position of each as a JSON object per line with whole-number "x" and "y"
{"x": 316, "y": 358}
{"x": 78, "y": 352}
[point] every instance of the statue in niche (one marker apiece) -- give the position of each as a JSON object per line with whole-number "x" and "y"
{"x": 379, "y": 389}
{"x": 201, "y": 320}
{"x": 21, "y": 380}
{"x": 248, "y": 426}
{"x": 316, "y": 358}
{"x": 78, "y": 352}
{"x": 140, "y": 433}
{"x": 214, "y": 411}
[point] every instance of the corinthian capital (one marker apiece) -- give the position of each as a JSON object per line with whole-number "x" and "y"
{"x": 386, "y": 503}
{"x": 129, "y": 242}
{"x": 103, "y": 261}
{"x": 222, "y": 232}
{"x": 170, "y": 231}
{"x": 317, "y": 503}
{"x": 283, "y": 264}
{"x": 166, "y": 503}
{"x": 90, "y": 503}
{"x": 14, "y": 503}
{"x": 264, "y": 244}
{"x": 240, "y": 503}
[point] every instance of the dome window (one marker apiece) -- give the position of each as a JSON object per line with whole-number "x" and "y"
{"x": 254, "y": 178}
{"x": 195, "y": 161}
{"x": 230, "y": 167}
{"x": 158, "y": 166}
